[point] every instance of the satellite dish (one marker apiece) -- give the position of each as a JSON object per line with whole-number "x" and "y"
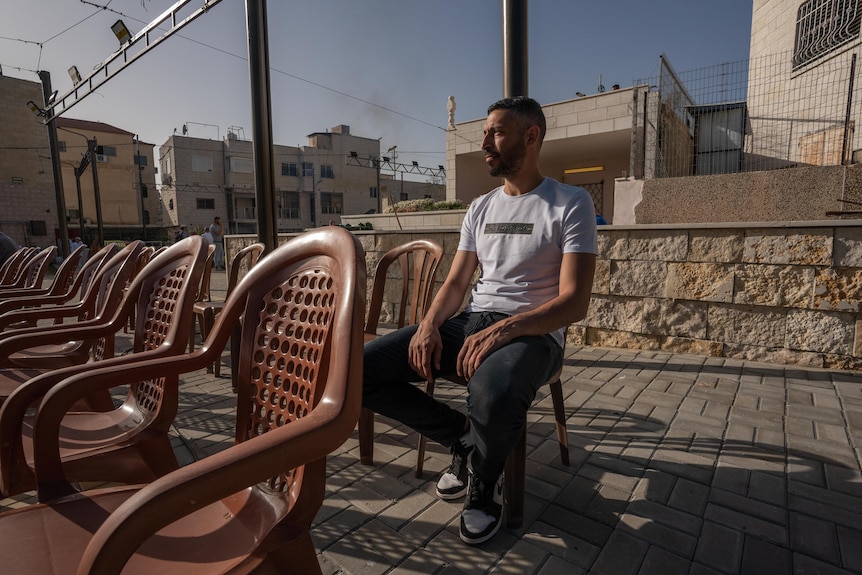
{"x": 185, "y": 130}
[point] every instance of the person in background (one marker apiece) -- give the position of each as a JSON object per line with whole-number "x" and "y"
{"x": 535, "y": 241}
{"x": 181, "y": 234}
{"x": 75, "y": 243}
{"x": 600, "y": 221}
{"x": 218, "y": 238}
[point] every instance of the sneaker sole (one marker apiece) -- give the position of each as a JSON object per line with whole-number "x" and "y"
{"x": 477, "y": 540}
{"x": 452, "y": 495}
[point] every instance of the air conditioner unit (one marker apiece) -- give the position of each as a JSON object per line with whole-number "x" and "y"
{"x": 101, "y": 158}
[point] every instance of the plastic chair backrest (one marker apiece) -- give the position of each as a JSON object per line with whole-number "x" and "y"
{"x": 13, "y": 265}
{"x": 33, "y": 274}
{"x": 418, "y": 261}
{"x": 203, "y": 292}
{"x": 242, "y": 262}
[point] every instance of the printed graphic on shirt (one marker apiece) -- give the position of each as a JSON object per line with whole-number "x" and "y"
{"x": 509, "y": 228}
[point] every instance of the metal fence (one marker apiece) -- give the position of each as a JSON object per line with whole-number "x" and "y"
{"x": 752, "y": 115}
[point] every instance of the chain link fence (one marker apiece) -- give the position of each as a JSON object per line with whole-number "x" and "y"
{"x": 752, "y": 115}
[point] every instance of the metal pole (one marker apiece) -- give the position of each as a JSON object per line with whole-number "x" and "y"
{"x": 261, "y": 113}
{"x": 141, "y": 185}
{"x": 80, "y": 203}
{"x": 844, "y": 159}
{"x": 515, "y": 80}
{"x": 45, "y": 77}
{"x": 97, "y": 196}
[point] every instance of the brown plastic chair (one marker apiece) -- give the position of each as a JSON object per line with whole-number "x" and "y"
{"x": 203, "y": 292}
{"x": 515, "y": 467}
{"x": 60, "y": 283}
{"x": 417, "y": 263}
{"x": 206, "y": 311}
{"x": 127, "y": 444}
{"x": 53, "y": 346}
{"x": 77, "y": 290}
{"x": 32, "y": 271}
{"x": 14, "y": 263}
{"x": 247, "y": 509}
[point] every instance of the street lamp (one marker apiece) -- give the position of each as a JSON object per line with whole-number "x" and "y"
{"x": 121, "y": 32}
{"x": 75, "y": 75}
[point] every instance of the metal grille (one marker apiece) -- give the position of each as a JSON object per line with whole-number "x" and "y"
{"x": 596, "y": 191}
{"x": 822, "y": 26}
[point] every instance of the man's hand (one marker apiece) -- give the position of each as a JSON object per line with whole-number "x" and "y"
{"x": 479, "y": 345}
{"x": 426, "y": 348}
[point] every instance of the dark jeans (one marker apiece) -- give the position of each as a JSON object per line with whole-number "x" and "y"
{"x": 498, "y": 395}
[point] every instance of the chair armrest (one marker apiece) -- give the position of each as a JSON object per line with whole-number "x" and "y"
{"x": 28, "y": 337}
{"x": 16, "y": 310}
{"x": 190, "y": 488}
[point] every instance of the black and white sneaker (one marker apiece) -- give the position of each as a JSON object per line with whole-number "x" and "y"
{"x": 483, "y": 510}
{"x": 453, "y": 483}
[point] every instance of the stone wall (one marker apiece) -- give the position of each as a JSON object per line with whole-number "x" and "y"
{"x": 778, "y": 293}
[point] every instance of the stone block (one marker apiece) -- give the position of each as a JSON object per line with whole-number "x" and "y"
{"x": 656, "y": 245}
{"x": 757, "y": 326}
{"x": 675, "y": 318}
{"x": 773, "y": 355}
{"x": 803, "y": 246}
{"x": 621, "y": 339}
{"x": 848, "y": 247}
{"x": 615, "y": 313}
{"x": 780, "y": 286}
{"x": 838, "y": 289}
{"x": 697, "y": 346}
{"x": 602, "y": 277}
{"x": 820, "y": 332}
{"x": 700, "y": 281}
{"x": 716, "y": 246}
{"x": 638, "y": 278}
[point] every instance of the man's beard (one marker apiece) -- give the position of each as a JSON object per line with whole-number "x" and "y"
{"x": 508, "y": 163}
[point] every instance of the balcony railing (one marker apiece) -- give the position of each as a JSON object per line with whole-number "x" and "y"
{"x": 288, "y": 213}
{"x": 246, "y": 213}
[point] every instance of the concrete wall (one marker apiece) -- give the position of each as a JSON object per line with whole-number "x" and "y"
{"x": 796, "y": 194}
{"x": 782, "y": 293}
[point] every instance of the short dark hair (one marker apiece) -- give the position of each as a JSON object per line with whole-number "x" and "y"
{"x": 527, "y": 108}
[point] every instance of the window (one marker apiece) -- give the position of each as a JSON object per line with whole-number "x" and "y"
{"x": 307, "y": 169}
{"x": 824, "y": 25}
{"x": 202, "y": 163}
{"x": 403, "y": 196}
{"x": 166, "y": 166}
{"x": 146, "y": 217}
{"x": 171, "y": 204}
{"x": 289, "y": 206}
{"x": 107, "y": 150}
{"x": 373, "y": 191}
{"x": 331, "y": 203}
{"x": 205, "y": 203}
{"x": 288, "y": 169}
{"x": 144, "y": 191}
{"x": 140, "y": 160}
{"x": 61, "y": 145}
{"x": 240, "y": 165}
{"x": 326, "y": 171}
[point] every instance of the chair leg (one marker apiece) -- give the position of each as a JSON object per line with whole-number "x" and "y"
{"x": 366, "y": 437}
{"x": 514, "y": 485}
{"x": 420, "y": 449}
{"x": 560, "y": 419}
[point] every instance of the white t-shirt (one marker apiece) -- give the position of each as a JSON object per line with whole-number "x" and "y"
{"x": 520, "y": 242}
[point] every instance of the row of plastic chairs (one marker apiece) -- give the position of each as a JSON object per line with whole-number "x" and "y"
{"x": 246, "y": 509}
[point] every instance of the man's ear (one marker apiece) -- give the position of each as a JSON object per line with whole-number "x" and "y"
{"x": 532, "y": 135}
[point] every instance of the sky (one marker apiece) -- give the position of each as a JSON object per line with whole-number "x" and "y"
{"x": 383, "y": 67}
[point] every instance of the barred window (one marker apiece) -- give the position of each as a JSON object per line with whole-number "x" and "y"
{"x": 822, "y": 26}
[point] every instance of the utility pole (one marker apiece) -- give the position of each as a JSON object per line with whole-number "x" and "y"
{"x": 100, "y": 231}
{"x": 45, "y": 77}
{"x": 141, "y": 184}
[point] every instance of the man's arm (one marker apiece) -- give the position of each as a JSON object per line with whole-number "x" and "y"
{"x": 426, "y": 345}
{"x": 576, "y": 283}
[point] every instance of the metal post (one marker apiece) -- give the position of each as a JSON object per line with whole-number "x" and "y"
{"x": 515, "y": 80}
{"x": 844, "y": 159}
{"x": 80, "y": 202}
{"x": 45, "y": 77}
{"x": 141, "y": 184}
{"x": 261, "y": 113}
{"x": 97, "y": 196}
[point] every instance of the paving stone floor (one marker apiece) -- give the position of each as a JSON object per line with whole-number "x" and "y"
{"x": 680, "y": 464}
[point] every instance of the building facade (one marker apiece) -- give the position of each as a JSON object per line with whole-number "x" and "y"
{"x": 336, "y": 173}
{"x": 29, "y": 214}
{"x": 126, "y": 177}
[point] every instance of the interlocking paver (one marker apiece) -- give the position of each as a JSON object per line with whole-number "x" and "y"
{"x": 680, "y": 464}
